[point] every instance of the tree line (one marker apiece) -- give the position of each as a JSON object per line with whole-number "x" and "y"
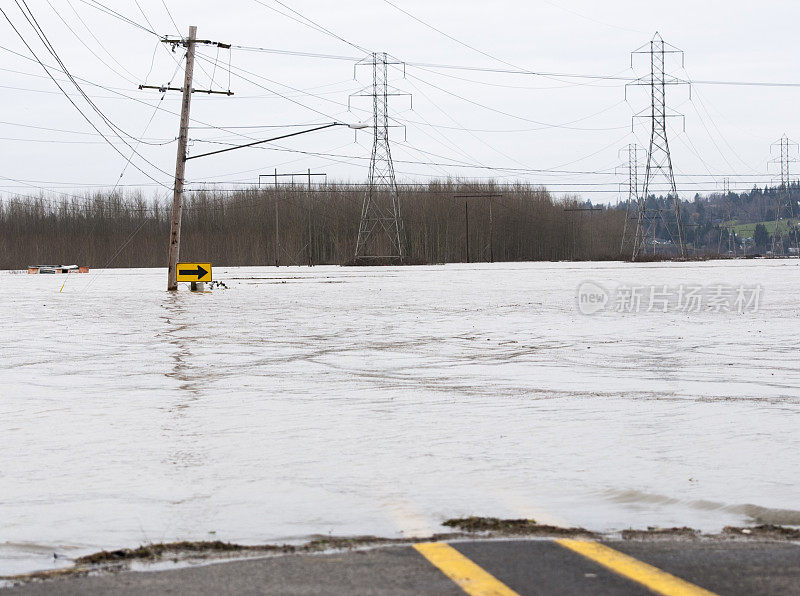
{"x": 291, "y": 225}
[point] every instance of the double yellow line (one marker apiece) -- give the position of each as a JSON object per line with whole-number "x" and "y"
{"x": 478, "y": 582}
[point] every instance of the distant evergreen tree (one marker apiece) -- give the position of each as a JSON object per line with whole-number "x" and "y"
{"x": 761, "y": 236}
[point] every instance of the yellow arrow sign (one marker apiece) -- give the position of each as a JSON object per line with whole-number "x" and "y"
{"x": 194, "y": 271}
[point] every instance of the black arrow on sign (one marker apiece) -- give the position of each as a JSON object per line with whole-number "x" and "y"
{"x": 199, "y": 272}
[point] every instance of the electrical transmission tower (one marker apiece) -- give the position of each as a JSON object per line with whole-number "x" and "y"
{"x": 659, "y": 160}
{"x": 728, "y": 224}
{"x": 380, "y": 232}
{"x": 784, "y": 205}
{"x": 632, "y": 166}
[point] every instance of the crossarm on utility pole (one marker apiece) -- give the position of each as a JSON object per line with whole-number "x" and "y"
{"x": 163, "y": 88}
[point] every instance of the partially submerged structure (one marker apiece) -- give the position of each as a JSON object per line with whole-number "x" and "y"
{"x": 57, "y": 269}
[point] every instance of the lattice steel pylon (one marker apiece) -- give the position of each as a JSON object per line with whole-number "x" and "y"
{"x": 784, "y": 201}
{"x": 728, "y": 223}
{"x": 659, "y": 160}
{"x": 632, "y": 166}
{"x": 380, "y": 231}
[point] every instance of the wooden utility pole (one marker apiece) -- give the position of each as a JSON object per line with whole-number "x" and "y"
{"x": 310, "y": 202}
{"x": 277, "y": 241}
{"x": 309, "y": 174}
{"x": 466, "y": 225}
{"x": 180, "y": 165}
{"x": 491, "y": 220}
{"x": 591, "y": 242}
{"x": 183, "y": 137}
{"x": 491, "y": 232}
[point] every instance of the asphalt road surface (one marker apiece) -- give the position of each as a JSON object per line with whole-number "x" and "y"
{"x": 480, "y": 567}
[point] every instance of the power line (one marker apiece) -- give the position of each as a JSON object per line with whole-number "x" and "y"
{"x": 111, "y": 12}
{"x": 51, "y": 49}
{"x": 590, "y": 19}
{"x": 523, "y": 87}
{"x": 448, "y": 36}
{"x": 450, "y": 117}
{"x": 169, "y": 14}
{"x": 144, "y": 16}
{"x": 455, "y": 163}
{"x": 283, "y": 96}
{"x": 469, "y": 46}
{"x": 74, "y": 132}
{"x": 65, "y": 71}
{"x": 99, "y": 43}
{"x": 600, "y": 77}
{"x": 719, "y": 132}
{"x": 117, "y": 93}
{"x": 283, "y": 52}
{"x": 303, "y": 20}
{"x": 509, "y": 114}
{"x": 513, "y": 71}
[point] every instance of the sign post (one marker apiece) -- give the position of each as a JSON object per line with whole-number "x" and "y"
{"x": 195, "y": 273}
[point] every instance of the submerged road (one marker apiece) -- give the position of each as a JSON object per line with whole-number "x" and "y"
{"x": 478, "y": 567}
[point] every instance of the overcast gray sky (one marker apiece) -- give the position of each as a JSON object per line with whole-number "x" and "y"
{"x": 523, "y": 125}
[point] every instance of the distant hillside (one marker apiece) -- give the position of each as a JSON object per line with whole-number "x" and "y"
{"x": 747, "y": 230}
{"x": 709, "y": 219}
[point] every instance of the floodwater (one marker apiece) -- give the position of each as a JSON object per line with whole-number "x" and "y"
{"x": 385, "y": 400}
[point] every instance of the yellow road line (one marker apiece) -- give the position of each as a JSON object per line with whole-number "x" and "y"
{"x": 651, "y": 577}
{"x": 466, "y": 574}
